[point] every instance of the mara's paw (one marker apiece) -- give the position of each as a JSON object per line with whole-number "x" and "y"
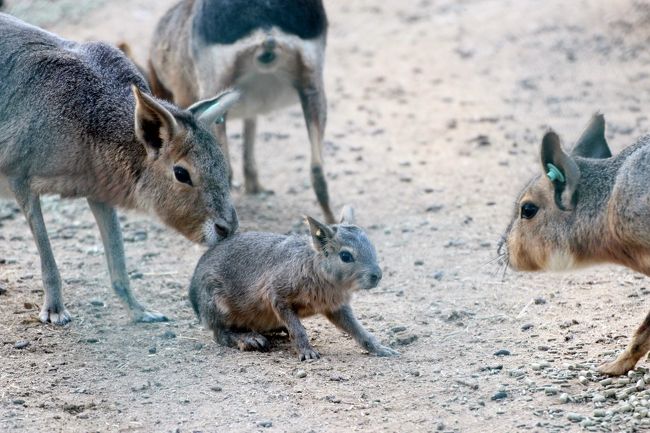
{"x": 308, "y": 354}
{"x": 56, "y": 315}
{"x": 252, "y": 186}
{"x": 252, "y": 341}
{"x": 620, "y": 366}
{"x": 380, "y": 350}
{"x": 149, "y": 316}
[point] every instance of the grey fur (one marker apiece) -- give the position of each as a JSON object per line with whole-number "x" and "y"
{"x": 253, "y": 283}
{"x": 606, "y": 221}
{"x": 272, "y": 69}
{"x": 77, "y": 120}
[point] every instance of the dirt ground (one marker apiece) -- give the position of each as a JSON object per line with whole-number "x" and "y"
{"x": 436, "y": 112}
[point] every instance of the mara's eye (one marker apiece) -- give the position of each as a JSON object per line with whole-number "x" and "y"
{"x": 220, "y": 120}
{"x": 528, "y": 210}
{"x": 182, "y": 175}
{"x": 346, "y": 257}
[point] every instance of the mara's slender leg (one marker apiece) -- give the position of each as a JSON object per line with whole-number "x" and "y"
{"x": 639, "y": 346}
{"x": 314, "y": 107}
{"x": 111, "y": 233}
{"x": 251, "y": 181}
{"x": 344, "y": 319}
{"x": 53, "y": 309}
{"x": 297, "y": 332}
{"x": 221, "y": 134}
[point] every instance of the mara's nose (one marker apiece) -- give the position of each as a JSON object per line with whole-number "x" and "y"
{"x": 226, "y": 227}
{"x": 375, "y": 277}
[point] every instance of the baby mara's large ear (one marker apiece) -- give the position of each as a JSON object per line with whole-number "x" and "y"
{"x": 321, "y": 236}
{"x": 561, "y": 170}
{"x": 213, "y": 110}
{"x": 347, "y": 215}
{"x": 592, "y": 143}
{"x": 155, "y": 126}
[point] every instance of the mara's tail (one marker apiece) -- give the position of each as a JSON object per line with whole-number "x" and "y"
{"x": 268, "y": 52}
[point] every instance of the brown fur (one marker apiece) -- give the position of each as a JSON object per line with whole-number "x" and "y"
{"x": 256, "y": 283}
{"x": 597, "y": 214}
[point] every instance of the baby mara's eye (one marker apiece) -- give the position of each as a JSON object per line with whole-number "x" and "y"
{"x": 528, "y": 210}
{"x": 346, "y": 257}
{"x": 182, "y": 175}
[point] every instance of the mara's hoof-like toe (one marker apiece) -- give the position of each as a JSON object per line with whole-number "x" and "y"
{"x": 253, "y": 341}
{"x": 56, "y": 315}
{"x": 620, "y": 366}
{"x": 258, "y": 189}
{"x": 384, "y": 351}
{"x": 308, "y": 354}
{"x": 148, "y": 316}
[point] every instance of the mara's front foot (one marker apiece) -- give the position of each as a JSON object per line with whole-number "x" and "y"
{"x": 254, "y": 188}
{"x": 55, "y": 314}
{"x": 148, "y": 316}
{"x": 380, "y": 350}
{"x": 620, "y": 366}
{"x": 308, "y": 353}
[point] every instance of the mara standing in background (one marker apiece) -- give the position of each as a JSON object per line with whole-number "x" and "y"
{"x": 273, "y": 51}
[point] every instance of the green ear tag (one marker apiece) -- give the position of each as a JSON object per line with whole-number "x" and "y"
{"x": 554, "y": 173}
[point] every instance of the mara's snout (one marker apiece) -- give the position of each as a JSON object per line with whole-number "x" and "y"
{"x": 218, "y": 229}
{"x": 371, "y": 279}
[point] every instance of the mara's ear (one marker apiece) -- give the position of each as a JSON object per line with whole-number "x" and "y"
{"x": 321, "y": 235}
{"x": 561, "y": 170}
{"x": 154, "y": 124}
{"x": 213, "y": 110}
{"x": 347, "y": 215}
{"x": 592, "y": 143}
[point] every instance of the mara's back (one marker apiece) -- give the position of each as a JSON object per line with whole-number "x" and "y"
{"x": 57, "y": 95}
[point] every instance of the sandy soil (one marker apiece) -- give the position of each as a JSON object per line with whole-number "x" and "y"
{"x": 436, "y": 111}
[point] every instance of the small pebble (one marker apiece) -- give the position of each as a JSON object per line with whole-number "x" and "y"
{"x": 265, "y": 424}
{"x": 499, "y": 395}
{"x": 502, "y": 352}
{"x": 21, "y": 344}
{"x": 526, "y": 326}
{"x": 564, "y": 398}
{"x": 301, "y": 374}
{"x": 168, "y": 335}
{"x": 575, "y": 417}
{"x": 599, "y": 413}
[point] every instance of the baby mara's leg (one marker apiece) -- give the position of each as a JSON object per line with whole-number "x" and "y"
{"x": 242, "y": 340}
{"x": 344, "y": 319}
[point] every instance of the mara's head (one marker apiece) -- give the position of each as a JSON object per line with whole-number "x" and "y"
{"x": 185, "y": 178}
{"x": 545, "y": 221}
{"x": 347, "y": 256}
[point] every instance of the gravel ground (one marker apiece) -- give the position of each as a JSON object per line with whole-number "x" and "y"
{"x": 437, "y": 109}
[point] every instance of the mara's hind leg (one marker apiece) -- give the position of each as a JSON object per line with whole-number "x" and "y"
{"x": 242, "y": 340}
{"x": 53, "y": 309}
{"x": 111, "y": 233}
{"x": 639, "y": 346}
{"x": 314, "y": 107}
{"x": 251, "y": 180}
{"x": 157, "y": 88}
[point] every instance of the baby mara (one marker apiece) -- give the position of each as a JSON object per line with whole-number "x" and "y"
{"x": 252, "y": 283}
{"x": 589, "y": 207}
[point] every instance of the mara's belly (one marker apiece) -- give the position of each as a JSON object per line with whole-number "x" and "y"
{"x": 262, "y": 94}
